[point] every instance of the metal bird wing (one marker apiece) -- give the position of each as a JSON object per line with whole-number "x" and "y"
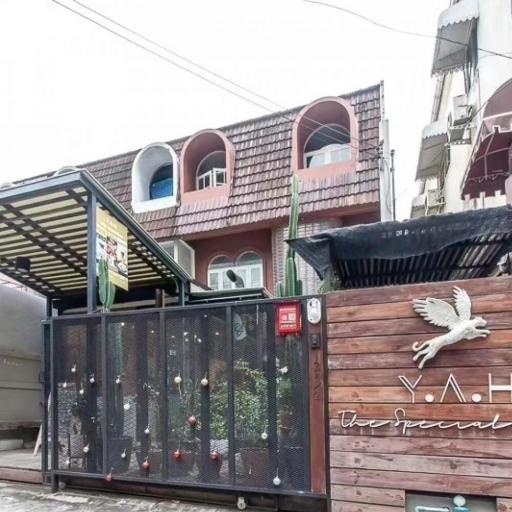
{"x": 462, "y": 303}
{"x": 437, "y": 312}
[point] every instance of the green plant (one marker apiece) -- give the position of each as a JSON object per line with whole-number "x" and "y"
{"x": 106, "y": 289}
{"x": 250, "y": 400}
{"x": 292, "y": 286}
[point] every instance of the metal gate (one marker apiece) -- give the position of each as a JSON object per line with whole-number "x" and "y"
{"x": 203, "y": 396}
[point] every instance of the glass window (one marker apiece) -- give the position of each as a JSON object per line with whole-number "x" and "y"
{"x": 211, "y": 172}
{"x": 249, "y": 267}
{"x": 217, "y": 273}
{"x": 162, "y": 183}
{"x": 327, "y": 145}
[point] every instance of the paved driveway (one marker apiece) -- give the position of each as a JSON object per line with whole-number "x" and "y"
{"x": 33, "y": 498}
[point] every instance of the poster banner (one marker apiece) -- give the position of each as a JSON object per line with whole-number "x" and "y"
{"x": 112, "y": 245}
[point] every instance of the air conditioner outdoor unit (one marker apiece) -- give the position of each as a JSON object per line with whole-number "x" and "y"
{"x": 461, "y": 110}
{"x": 435, "y": 200}
{"x": 183, "y": 254}
{"x": 459, "y": 119}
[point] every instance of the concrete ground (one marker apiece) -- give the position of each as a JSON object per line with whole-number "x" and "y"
{"x": 23, "y": 459}
{"x": 16, "y": 497}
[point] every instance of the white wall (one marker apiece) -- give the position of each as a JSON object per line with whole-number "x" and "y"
{"x": 494, "y": 32}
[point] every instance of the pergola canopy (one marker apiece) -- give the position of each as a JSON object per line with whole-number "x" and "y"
{"x": 47, "y": 231}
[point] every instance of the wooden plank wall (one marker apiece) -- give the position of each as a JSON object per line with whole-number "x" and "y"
{"x": 370, "y": 334}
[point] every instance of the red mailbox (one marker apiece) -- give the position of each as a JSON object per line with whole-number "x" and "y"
{"x": 289, "y": 318}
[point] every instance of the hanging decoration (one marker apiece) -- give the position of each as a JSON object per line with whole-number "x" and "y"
{"x": 192, "y": 421}
{"x": 145, "y": 464}
{"x": 204, "y": 382}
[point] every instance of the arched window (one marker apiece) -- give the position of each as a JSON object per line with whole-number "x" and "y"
{"x": 249, "y": 267}
{"x": 217, "y": 273}
{"x": 324, "y": 137}
{"x": 207, "y": 166}
{"x": 328, "y": 144}
{"x": 154, "y": 178}
{"x": 162, "y": 184}
{"x": 211, "y": 171}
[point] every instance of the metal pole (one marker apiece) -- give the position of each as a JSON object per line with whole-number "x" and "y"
{"x": 231, "y": 395}
{"x": 392, "y": 171}
{"x": 91, "y": 253}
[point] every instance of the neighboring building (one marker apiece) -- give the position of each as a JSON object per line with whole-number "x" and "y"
{"x": 465, "y": 152}
{"x": 220, "y": 198}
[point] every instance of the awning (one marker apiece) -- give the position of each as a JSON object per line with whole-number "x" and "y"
{"x": 46, "y": 229}
{"x": 432, "y": 150}
{"x": 490, "y": 162}
{"x": 443, "y": 247}
{"x": 454, "y": 30}
{"x": 489, "y": 166}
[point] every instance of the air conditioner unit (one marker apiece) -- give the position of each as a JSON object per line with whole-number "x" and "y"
{"x": 183, "y": 254}
{"x": 435, "y": 201}
{"x": 459, "y": 119}
{"x": 461, "y": 110}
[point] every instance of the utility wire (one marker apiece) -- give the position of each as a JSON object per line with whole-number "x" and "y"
{"x": 202, "y": 77}
{"x": 344, "y": 131}
{"x": 399, "y": 30}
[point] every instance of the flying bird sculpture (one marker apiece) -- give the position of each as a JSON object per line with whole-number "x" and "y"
{"x": 460, "y": 324}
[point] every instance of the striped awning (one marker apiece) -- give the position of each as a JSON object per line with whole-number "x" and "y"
{"x": 454, "y": 29}
{"x": 432, "y": 150}
{"x": 45, "y": 232}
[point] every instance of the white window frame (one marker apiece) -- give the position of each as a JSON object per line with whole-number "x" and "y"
{"x": 142, "y": 175}
{"x": 211, "y": 173}
{"x": 326, "y": 151}
{"x": 220, "y": 272}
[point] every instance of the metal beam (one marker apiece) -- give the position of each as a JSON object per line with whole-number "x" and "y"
{"x": 91, "y": 254}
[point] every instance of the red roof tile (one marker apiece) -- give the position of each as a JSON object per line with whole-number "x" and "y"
{"x": 260, "y": 188}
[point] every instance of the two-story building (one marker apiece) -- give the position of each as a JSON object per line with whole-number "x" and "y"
{"x": 219, "y": 199}
{"x": 464, "y": 155}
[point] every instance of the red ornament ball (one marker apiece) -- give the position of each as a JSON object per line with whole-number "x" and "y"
{"x": 145, "y": 465}
{"x": 192, "y": 421}
{"x": 178, "y": 455}
{"x": 215, "y": 456}
{"x": 108, "y": 478}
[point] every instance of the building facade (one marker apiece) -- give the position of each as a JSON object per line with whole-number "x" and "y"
{"x": 464, "y": 155}
{"x": 219, "y": 199}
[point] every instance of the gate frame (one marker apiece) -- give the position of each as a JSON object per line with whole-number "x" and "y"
{"x": 315, "y": 385}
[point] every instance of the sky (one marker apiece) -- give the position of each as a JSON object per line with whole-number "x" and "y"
{"x": 71, "y": 92}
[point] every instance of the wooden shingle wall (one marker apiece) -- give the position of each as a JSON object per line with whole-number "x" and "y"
{"x": 370, "y": 335}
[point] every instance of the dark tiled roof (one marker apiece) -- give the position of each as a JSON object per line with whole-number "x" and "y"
{"x": 260, "y": 188}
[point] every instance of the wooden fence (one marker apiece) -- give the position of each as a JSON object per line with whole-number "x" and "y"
{"x": 370, "y": 338}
